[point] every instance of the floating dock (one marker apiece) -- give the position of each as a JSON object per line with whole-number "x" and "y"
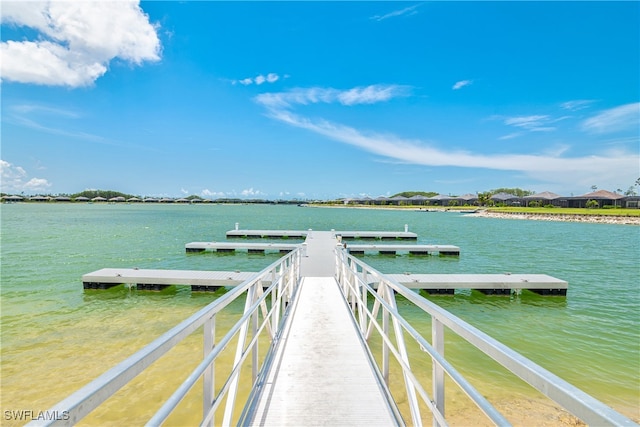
{"x": 489, "y": 284}
{"x": 211, "y": 281}
{"x": 232, "y": 247}
{"x": 146, "y": 279}
{"x": 318, "y": 257}
{"x": 387, "y": 249}
{"x": 303, "y": 234}
{"x": 411, "y": 249}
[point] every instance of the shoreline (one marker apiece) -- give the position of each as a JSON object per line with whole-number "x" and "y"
{"x": 560, "y": 217}
{"x": 481, "y": 212}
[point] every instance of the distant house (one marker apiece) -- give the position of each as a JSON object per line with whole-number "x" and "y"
{"x": 631, "y": 202}
{"x": 418, "y": 199}
{"x": 506, "y": 199}
{"x": 12, "y": 198}
{"x": 40, "y": 199}
{"x": 98, "y": 199}
{"x": 133, "y": 200}
{"x": 467, "y": 199}
{"x": 545, "y": 198}
{"x": 118, "y": 199}
{"x": 440, "y": 200}
{"x": 398, "y": 200}
{"x": 380, "y": 200}
{"x": 603, "y": 197}
{"x": 150, "y": 200}
{"x": 81, "y": 199}
{"x": 62, "y": 199}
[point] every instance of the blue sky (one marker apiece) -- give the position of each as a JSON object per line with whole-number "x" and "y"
{"x": 319, "y": 99}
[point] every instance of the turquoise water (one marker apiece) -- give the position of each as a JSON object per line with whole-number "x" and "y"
{"x": 56, "y": 337}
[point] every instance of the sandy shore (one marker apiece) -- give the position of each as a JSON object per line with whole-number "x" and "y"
{"x": 600, "y": 219}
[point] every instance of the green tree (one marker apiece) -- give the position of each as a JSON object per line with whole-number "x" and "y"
{"x": 484, "y": 198}
{"x": 518, "y": 192}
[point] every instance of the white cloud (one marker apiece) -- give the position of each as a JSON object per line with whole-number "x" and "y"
{"x": 251, "y": 192}
{"x": 75, "y": 41}
{"x": 411, "y": 10}
{"x": 623, "y": 117}
{"x": 527, "y": 122}
{"x": 272, "y": 77}
{"x": 259, "y": 79}
{"x": 577, "y": 104}
{"x": 461, "y": 84}
{"x": 611, "y": 166}
{"x": 358, "y": 95}
{"x": 14, "y": 179}
{"x": 208, "y": 193}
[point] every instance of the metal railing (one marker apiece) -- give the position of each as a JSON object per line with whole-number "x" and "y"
{"x": 282, "y": 277}
{"x": 357, "y": 281}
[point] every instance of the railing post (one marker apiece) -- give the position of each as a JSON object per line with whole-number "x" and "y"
{"x": 254, "y": 332}
{"x": 209, "y": 374}
{"x": 385, "y": 331}
{"x": 437, "y": 338}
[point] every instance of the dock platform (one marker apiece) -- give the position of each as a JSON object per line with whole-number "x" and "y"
{"x": 146, "y": 279}
{"x": 233, "y": 246}
{"x": 302, "y": 234}
{"x": 411, "y": 249}
{"x": 490, "y": 284}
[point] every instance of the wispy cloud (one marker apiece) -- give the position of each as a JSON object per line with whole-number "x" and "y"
{"x": 461, "y": 84}
{"x": 527, "y": 122}
{"x": 258, "y": 80}
{"x": 623, "y": 117}
{"x": 546, "y": 167}
{"x": 15, "y": 179}
{"x": 578, "y": 104}
{"x": 411, "y": 10}
{"x": 530, "y": 123}
{"x": 38, "y": 108}
{"x": 357, "y": 95}
{"x": 74, "y": 42}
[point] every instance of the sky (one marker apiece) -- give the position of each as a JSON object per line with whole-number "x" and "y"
{"x": 319, "y": 100}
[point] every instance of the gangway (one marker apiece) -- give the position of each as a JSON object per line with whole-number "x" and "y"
{"x": 320, "y": 307}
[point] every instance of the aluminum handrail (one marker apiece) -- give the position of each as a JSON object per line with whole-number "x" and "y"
{"x": 356, "y": 277}
{"x": 284, "y": 276}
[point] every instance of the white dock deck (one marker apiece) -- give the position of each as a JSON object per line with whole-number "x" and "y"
{"x": 198, "y": 280}
{"x": 321, "y": 374}
{"x": 302, "y": 234}
{"x": 233, "y": 246}
{"x": 483, "y": 282}
{"x": 412, "y": 249}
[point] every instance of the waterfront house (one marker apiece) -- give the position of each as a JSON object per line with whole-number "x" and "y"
{"x": 506, "y": 199}
{"x": 544, "y": 198}
{"x": 602, "y": 197}
{"x": 440, "y": 200}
